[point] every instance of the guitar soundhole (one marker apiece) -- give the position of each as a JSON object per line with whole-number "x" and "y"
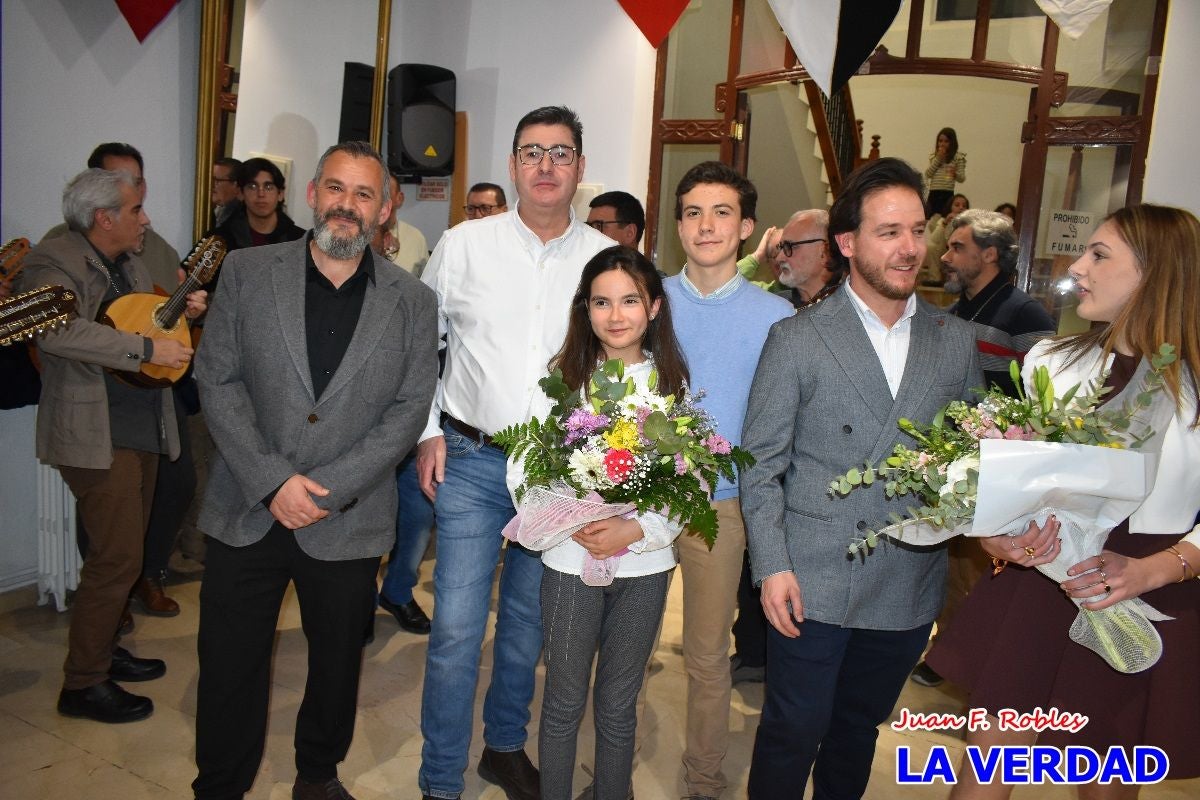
{"x": 156, "y": 319}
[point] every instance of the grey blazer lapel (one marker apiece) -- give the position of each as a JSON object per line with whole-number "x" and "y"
{"x": 923, "y": 353}
{"x": 288, "y": 284}
{"x": 378, "y": 303}
{"x": 838, "y": 324}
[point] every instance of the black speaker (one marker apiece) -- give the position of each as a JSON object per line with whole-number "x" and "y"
{"x": 357, "y": 82}
{"x": 420, "y": 121}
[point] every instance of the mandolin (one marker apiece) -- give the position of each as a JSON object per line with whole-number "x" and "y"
{"x": 30, "y": 314}
{"x": 151, "y": 315}
{"x": 12, "y": 256}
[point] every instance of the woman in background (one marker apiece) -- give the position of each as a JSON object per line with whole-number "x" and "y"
{"x": 947, "y": 166}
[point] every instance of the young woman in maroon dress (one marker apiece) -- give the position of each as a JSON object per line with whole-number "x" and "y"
{"x": 1008, "y": 645}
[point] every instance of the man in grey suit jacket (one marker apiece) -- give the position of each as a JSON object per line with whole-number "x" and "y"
{"x": 317, "y": 371}
{"x": 831, "y": 384}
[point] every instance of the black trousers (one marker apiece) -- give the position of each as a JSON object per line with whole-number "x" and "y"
{"x": 750, "y": 627}
{"x": 239, "y": 610}
{"x": 826, "y": 694}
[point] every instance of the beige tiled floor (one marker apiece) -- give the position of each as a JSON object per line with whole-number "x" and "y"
{"x": 43, "y": 755}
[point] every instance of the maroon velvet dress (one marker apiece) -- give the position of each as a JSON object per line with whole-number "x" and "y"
{"x": 1008, "y": 647}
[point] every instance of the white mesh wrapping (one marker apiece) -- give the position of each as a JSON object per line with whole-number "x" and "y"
{"x": 548, "y": 515}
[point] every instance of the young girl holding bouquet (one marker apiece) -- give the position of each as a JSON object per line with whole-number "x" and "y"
{"x": 1140, "y": 276}
{"x": 619, "y": 312}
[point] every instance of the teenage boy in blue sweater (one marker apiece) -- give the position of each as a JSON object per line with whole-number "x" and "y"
{"x": 721, "y": 321}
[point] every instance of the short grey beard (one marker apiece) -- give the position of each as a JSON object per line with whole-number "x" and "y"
{"x": 341, "y": 248}
{"x": 953, "y": 286}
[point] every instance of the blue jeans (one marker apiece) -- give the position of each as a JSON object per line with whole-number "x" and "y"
{"x": 414, "y": 523}
{"x": 472, "y": 508}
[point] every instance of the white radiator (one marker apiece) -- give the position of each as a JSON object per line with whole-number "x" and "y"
{"x": 58, "y": 554}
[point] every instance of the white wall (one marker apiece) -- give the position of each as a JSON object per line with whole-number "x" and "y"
{"x": 1172, "y": 170}
{"x": 73, "y": 76}
{"x": 290, "y": 94}
{"x": 290, "y": 97}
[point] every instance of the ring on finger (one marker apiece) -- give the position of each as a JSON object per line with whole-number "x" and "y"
{"x": 1030, "y": 551}
{"x": 1107, "y": 588}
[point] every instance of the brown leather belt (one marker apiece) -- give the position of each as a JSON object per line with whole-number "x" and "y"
{"x": 471, "y": 432}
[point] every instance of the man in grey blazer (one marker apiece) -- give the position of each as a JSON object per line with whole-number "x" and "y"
{"x": 316, "y": 372}
{"x": 831, "y": 384}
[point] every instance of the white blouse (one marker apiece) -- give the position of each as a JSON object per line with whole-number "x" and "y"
{"x": 1174, "y": 501}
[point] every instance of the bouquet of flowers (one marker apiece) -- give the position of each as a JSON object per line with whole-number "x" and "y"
{"x": 620, "y": 450}
{"x": 990, "y": 468}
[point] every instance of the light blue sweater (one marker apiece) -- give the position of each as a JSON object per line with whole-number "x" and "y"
{"x": 722, "y": 340}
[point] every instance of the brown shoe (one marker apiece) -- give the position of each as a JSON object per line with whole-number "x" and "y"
{"x": 326, "y": 790}
{"x": 149, "y": 594}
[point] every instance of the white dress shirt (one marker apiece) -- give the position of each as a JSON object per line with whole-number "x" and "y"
{"x": 891, "y": 344}
{"x": 503, "y": 302}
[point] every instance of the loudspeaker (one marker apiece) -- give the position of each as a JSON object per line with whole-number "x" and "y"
{"x": 357, "y": 82}
{"x": 420, "y": 121}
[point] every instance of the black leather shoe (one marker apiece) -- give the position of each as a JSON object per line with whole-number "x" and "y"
{"x": 128, "y": 667}
{"x": 326, "y": 790}
{"x": 104, "y": 702}
{"x": 513, "y": 772}
{"x": 410, "y": 616}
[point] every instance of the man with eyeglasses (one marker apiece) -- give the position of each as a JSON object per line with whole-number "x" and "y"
{"x": 504, "y": 285}
{"x": 226, "y": 194}
{"x": 619, "y": 216}
{"x": 484, "y": 200}
{"x": 261, "y": 220}
{"x": 802, "y": 263}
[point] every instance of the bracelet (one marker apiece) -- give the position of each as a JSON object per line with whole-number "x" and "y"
{"x": 1183, "y": 563}
{"x": 998, "y": 565}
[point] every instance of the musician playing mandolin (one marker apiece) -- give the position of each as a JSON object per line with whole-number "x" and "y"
{"x": 104, "y": 436}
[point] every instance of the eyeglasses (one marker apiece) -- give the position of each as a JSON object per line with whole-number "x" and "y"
{"x": 787, "y": 247}
{"x": 481, "y": 210}
{"x": 531, "y": 155}
{"x": 255, "y": 186}
{"x": 599, "y": 224}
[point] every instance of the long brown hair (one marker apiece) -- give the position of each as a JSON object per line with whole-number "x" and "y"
{"x": 1163, "y": 308}
{"x": 582, "y": 349}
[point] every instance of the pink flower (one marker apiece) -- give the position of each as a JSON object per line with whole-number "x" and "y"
{"x": 680, "y": 464}
{"x": 1021, "y": 433}
{"x": 618, "y": 464}
{"x": 717, "y": 444}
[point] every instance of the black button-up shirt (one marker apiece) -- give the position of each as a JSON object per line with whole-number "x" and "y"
{"x": 331, "y": 315}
